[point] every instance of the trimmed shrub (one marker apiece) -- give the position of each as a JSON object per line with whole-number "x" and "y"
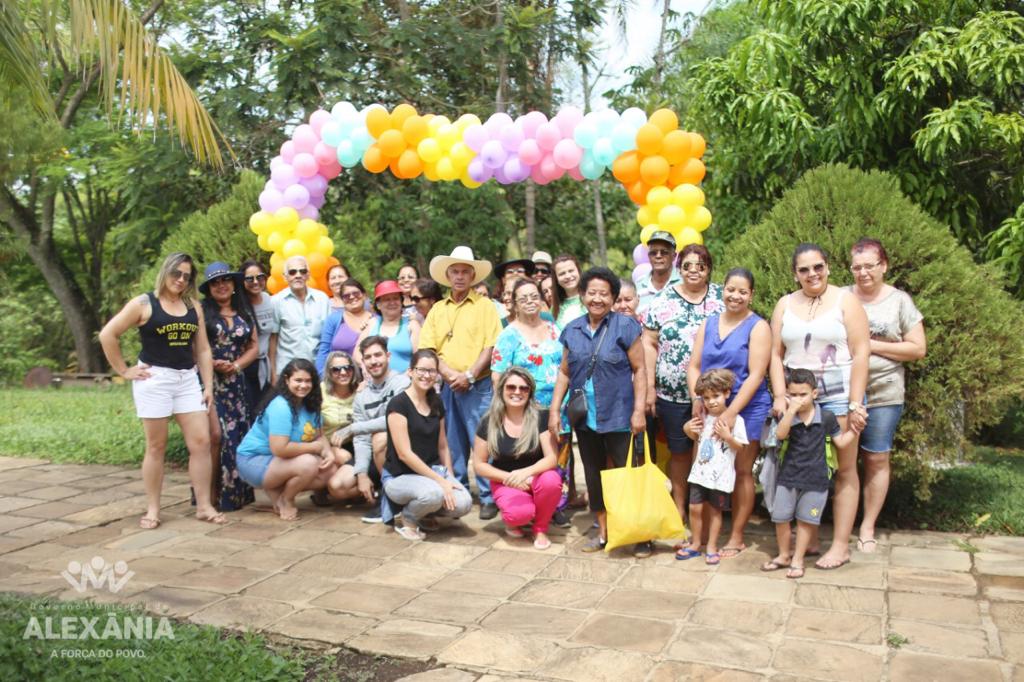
{"x": 975, "y": 362}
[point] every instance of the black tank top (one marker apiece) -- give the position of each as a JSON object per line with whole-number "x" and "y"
{"x": 166, "y": 339}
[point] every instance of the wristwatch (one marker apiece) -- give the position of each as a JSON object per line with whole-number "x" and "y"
{"x": 854, "y": 407}
{"x": 470, "y": 377}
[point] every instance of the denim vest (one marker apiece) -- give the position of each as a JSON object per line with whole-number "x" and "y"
{"x": 613, "y": 375}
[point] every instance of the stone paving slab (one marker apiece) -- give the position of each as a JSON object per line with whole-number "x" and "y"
{"x": 493, "y": 609}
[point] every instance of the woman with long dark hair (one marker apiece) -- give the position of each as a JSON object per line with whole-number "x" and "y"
{"x": 285, "y": 451}
{"x": 231, "y": 328}
{"x": 342, "y": 327}
{"x": 567, "y": 304}
{"x": 257, "y": 374}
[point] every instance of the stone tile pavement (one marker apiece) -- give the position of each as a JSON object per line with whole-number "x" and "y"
{"x": 492, "y": 608}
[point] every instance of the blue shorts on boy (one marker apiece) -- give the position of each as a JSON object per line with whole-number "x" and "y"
{"x": 801, "y": 489}
{"x": 254, "y": 455}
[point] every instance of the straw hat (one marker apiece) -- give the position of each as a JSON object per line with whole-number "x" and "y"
{"x": 460, "y": 254}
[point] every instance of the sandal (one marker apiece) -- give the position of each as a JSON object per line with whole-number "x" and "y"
{"x": 429, "y": 524}
{"x": 146, "y": 523}
{"x": 410, "y": 533}
{"x": 514, "y": 532}
{"x": 685, "y": 553}
{"x": 773, "y": 565}
{"x": 217, "y": 518}
{"x": 831, "y": 567}
{"x": 732, "y": 552}
{"x": 795, "y": 572}
{"x": 713, "y": 559}
{"x": 862, "y": 545}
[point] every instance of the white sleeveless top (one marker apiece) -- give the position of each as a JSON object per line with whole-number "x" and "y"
{"x": 820, "y": 346}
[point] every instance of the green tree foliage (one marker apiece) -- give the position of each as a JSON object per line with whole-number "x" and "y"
{"x": 975, "y": 361}
{"x": 925, "y": 89}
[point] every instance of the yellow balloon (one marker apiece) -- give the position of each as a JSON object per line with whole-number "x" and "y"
{"x": 646, "y": 233}
{"x": 276, "y": 260}
{"x": 467, "y": 181}
{"x": 322, "y": 229}
{"x": 658, "y": 197}
{"x": 261, "y": 222}
{"x": 276, "y": 241}
{"x": 688, "y": 196}
{"x": 448, "y": 135}
{"x": 436, "y": 123}
{"x": 286, "y": 218}
{"x": 325, "y": 246}
{"x": 467, "y": 120}
{"x": 461, "y": 154}
{"x": 307, "y": 229}
{"x": 430, "y": 171}
{"x": 446, "y": 169}
{"x": 645, "y": 215}
{"x": 671, "y": 217}
{"x": 429, "y": 150}
{"x": 688, "y": 236}
{"x": 263, "y": 241}
{"x": 700, "y": 219}
{"x": 294, "y": 247}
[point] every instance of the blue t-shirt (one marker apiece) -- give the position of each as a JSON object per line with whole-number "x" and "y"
{"x": 278, "y": 420}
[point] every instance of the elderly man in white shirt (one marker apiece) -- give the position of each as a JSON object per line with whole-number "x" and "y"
{"x": 299, "y": 314}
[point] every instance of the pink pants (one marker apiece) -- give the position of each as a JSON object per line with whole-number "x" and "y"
{"x": 519, "y": 507}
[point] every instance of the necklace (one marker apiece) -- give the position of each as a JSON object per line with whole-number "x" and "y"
{"x": 453, "y": 322}
{"x": 813, "y": 304}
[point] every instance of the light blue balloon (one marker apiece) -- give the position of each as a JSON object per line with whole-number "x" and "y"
{"x": 589, "y": 167}
{"x": 347, "y": 155}
{"x": 604, "y": 152}
{"x": 331, "y": 133}
{"x": 585, "y": 134}
{"x": 361, "y": 139}
{"x": 623, "y": 138}
{"x": 634, "y": 117}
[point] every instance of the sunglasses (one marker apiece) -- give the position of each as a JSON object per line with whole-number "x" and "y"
{"x": 252, "y": 279}
{"x": 659, "y": 253}
{"x": 351, "y": 296}
{"x": 219, "y": 280}
{"x": 180, "y": 275}
{"x": 341, "y": 369}
{"x": 298, "y": 271}
{"x": 694, "y": 266}
{"x": 517, "y": 388}
{"x": 542, "y": 271}
{"x": 817, "y": 267}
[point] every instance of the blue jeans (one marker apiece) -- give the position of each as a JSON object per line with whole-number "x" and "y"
{"x": 462, "y": 415}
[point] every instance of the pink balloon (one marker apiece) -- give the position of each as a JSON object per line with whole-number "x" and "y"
{"x": 530, "y": 153}
{"x": 316, "y": 184}
{"x": 288, "y": 151}
{"x": 330, "y": 170}
{"x": 296, "y": 196}
{"x": 475, "y": 136}
{"x": 317, "y": 120}
{"x": 269, "y": 184}
{"x": 305, "y": 165}
{"x": 284, "y": 176}
{"x": 309, "y": 211}
{"x": 567, "y": 154}
{"x": 493, "y": 154}
{"x": 548, "y": 136}
{"x": 305, "y": 138}
{"x": 575, "y": 174}
{"x": 531, "y": 121}
{"x": 496, "y": 123}
{"x": 277, "y": 161}
{"x": 641, "y": 271}
{"x": 567, "y": 120}
{"x": 537, "y": 175}
{"x": 640, "y": 255}
{"x": 559, "y": 172}
{"x": 324, "y": 154}
{"x": 271, "y": 200}
{"x": 511, "y": 137}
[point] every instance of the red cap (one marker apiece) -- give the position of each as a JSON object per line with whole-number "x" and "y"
{"x": 388, "y": 286}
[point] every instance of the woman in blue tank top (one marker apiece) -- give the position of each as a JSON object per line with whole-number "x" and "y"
{"x": 164, "y": 382}
{"x": 739, "y": 340}
{"x": 402, "y": 332}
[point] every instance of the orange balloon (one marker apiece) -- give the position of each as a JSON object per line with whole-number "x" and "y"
{"x": 332, "y": 261}
{"x": 676, "y": 146}
{"x": 377, "y": 120}
{"x": 317, "y": 264}
{"x": 693, "y": 171}
{"x": 638, "y": 192}
{"x": 697, "y": 145}
{"x": 275, "y": 284}
{"x": 391, "y": 143}
{"x": 654, "y": 170}
{"x": 374, "y": 159}
{"x": 400, "y": 114}
{"x": 649, "y": 139}
{"x": 410, "y": 164}
{"x": 665, "y": 119}
{"x": 414, "y": 129}
{"x": 395, "y": 170}
{"x": 626, "y": 168}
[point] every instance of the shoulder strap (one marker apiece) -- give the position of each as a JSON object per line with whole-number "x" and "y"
{"x": 830, "y": 456}
{"x": 597, "y": 349}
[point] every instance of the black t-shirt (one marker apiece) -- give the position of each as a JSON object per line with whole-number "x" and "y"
{"x": 506, "y": 445}
{"x": 804, "y": 466}
{"x": 424, "y": 433}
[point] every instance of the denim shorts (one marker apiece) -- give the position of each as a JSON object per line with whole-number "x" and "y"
{"x": 881, "y": 428}
{"x": 252, "y": 468}
{"x": 672, "y": 417}
{"x": 840, "y": 407}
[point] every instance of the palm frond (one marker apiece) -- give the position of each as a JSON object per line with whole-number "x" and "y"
{"x": 20, "y": 60}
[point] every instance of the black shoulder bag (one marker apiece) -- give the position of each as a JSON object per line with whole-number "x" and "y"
{"x": 577, "y": 407}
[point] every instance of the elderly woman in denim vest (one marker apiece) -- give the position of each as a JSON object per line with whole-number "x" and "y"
{"x": 616, "y": 391}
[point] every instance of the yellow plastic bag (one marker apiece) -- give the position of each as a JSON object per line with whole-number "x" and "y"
{"x": 639, "y": 503}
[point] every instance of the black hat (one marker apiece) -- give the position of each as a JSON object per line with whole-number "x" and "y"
{"x": 499, "y": 269}
{"x": 216, "y": 270}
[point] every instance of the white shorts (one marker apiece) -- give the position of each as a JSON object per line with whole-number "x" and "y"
{"x": 167, "y": 391}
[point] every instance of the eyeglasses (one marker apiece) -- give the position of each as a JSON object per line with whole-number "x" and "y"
{"x": 351, "y": 296}
{"x": 817, "y": 267}
{"x": 531, "y": 298}
{"x": 517, "y": 388}
{"x": 695, "y": 266}
{"x": 659, "y": 253}
{"x": 865, "y": 267}
{"x": 424, "y": 371}
{"x": 252, "y": 279}
{"x": 341, "y": 369}
{"x": 297, "y": 271}
{"x": 181, "y": 275}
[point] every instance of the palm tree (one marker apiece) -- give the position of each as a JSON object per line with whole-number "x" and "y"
{"x": 55, "y": 53}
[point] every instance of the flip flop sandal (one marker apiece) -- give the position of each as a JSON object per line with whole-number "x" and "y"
{"x": 773, "y": 565}
{"x": 731, "y": 552}
{"x": 217, "y": 519}
{"x": 411, "y": 534}
{"x": 686, "y": 553}
{"x": 832, "y": 568}
{"x": 863, "y": 544}
{"x": 795, "y": 572}
{"x": 146, "y": 523}
{"x": 713, "y": 559}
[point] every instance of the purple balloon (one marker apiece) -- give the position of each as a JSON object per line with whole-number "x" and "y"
{"x": 269, "y": 184}
{"x": 271, "y": 200}
{"x": 493, "y": 154}
{"x": 316, "y": 200}
{"x": 499, "y": 175}
{"x": 316, "y": 184}
{"x": 296, "y": 196}
{"x": 475, "y": 136}
{"x": 640, "y": 255}
{"x": 309, "y": 211}
{"x": 277, "y": 161}
{"x": 641, "y": 271}
{"x": 515, "y": 170}
{"x": 511, "y": 137}
{"x": 478, "y": 171}
{"x": 284, "y": 176}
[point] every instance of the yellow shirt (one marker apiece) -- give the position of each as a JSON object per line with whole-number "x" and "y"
{"x": 459, "y": 332}
{"x": 335, "y": 412}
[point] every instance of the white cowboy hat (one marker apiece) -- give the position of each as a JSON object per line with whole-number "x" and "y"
{"x": 460, "y": 254}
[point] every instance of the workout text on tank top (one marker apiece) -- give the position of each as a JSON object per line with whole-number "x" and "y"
{"x": 167, "y": 339}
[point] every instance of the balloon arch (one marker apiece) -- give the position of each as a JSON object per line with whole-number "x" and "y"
{"x": 659, "y": 166}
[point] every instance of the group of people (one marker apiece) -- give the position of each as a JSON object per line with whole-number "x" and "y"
{"x": 390, "y": 402}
